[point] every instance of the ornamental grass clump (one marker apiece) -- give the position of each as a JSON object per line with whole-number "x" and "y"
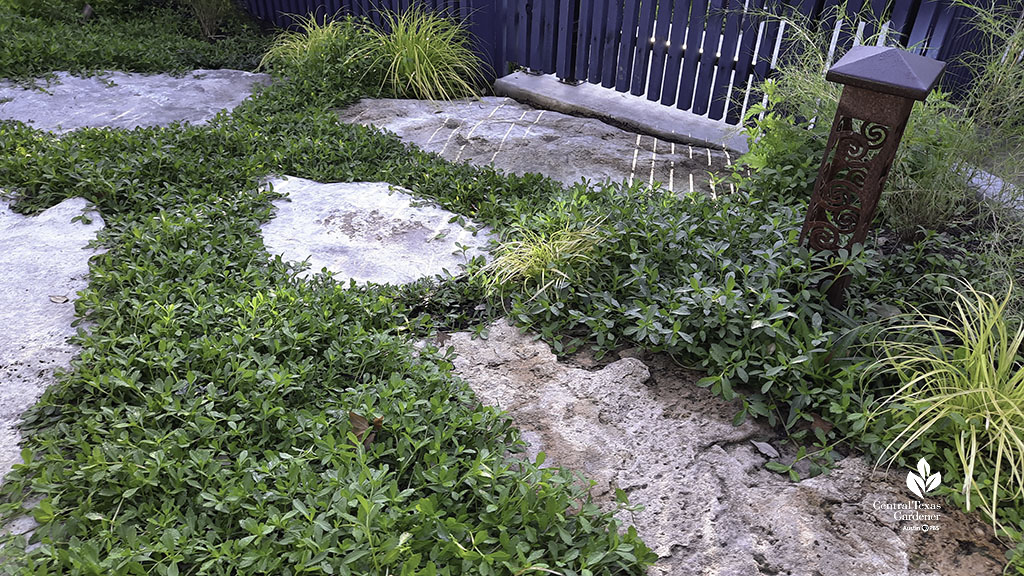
{"x": 425, "y": 55}
{"x": 961, "y": 383}
{"x": 533, "y": 261}
{"x": 324, "y": 60}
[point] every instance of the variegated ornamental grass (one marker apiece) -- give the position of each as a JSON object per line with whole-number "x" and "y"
{"x": 425, "y": 55}
{"x": 962, "y": 376}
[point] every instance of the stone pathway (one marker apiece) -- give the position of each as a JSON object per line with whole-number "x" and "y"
{"x": 45, "y": 263}
{"x": 123, "y": 100}
{"x": 637, "y": 424}
{"x": 368, "y": 231}
{"x": 710, "y": 506}
{"x": 520, "y": 139}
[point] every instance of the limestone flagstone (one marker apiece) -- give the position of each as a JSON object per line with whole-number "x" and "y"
{"x": 369, "y": 231}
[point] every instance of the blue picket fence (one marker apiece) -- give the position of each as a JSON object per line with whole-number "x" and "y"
{"x": 705, "y": 56}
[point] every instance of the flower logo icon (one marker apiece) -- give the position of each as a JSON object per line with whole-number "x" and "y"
{"x": 924, "y": 481}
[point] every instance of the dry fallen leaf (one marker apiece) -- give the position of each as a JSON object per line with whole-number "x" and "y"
{"x": 360, "y": 426}
{"x": 58, "y": 299}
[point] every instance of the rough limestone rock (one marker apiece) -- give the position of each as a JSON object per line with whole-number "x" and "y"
{"x": 45, "y": 263}
{"x": 126, "y": 100}
{"x": 518, "y": 138}
{"x": 369, "y": 231}
{"x": 710, "y": 506}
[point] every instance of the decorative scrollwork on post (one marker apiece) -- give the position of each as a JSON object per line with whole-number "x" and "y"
{"x": 847, "y": 179}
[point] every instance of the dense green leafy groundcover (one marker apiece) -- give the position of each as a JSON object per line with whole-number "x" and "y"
{"x": 136, "y": 38}
{"x": 206, "y": 427}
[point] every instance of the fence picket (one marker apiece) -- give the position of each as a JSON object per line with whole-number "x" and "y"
{"x": 921, "y": 31}
{"x": 536, "y": 54}
{"x": 750, "y": 29}
{"x": 727, "y": 61}
{"x": 610, "y": 43}
{"x": 566, "y": 34}
{"x": 709, "y": 57}
{"x": 644, "y": 44}
{"x": 600, "y": 20}
{"x": 522, "y": 33}
{"x": 550, "y": 31}
{"x": 674, "y": 62}
{"x": 691, "y": 55}
{"x": 660, "y": 49}
{"x": 627, "y": 44}
{"x": 583, "y": 39}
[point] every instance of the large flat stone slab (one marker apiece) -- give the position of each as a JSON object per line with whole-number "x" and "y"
{"x": 126, "y": 100}
{"x": 45, "y": 264}
{"x": 368, "y": 231}
{"x": 710, "y": 506}
{"x": 517, "y": 138}
{"x": 634, "y": 113}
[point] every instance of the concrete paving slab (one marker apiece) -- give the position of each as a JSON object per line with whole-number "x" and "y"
{"x": 518, "y": 138}
{"x": 126, "y": 100}
{"x": 633, "y": 113}
{"x": 368, "y": 231}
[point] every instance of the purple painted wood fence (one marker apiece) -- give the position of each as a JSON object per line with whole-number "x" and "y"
{"x": 699, "y": 55}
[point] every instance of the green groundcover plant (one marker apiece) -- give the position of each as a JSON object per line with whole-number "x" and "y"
{"x": 211, "y": 424}
{"x": 217, "y": 419}
{"x": 159, "y": 38}
{"x": 207, "y": 426}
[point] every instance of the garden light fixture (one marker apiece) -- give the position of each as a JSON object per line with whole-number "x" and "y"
{"x": 880, "y": 85}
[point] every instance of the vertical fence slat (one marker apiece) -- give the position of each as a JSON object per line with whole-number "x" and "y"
{"x": 874, "y": 17}
{"x": 536, "y": 54}
{"x": 691, "y": 56}
{"x": 522, "y": 33}
{"x": 675, "y": 52}
{"x": 751, "y": 23}
{"x": 644, "y": 45}
{"x": 710, "y": 59}
{"x": 849, "y": 28}
{"x": 501, "y": 38}
{"x": 583, "y": 39}
{"x": 610, "y": 43}
{"x": 566, "y": 34}
{"x": 769, "y": 39}
{"x": 727, "y": 61}
{"x": 940, "y": 34}
{"x": 919, "y": 34}
{"x": 627, "y": 44}
{"x": 600, "y": 20}
{"x": 660, "y": 49}
{"x": 904, "y": 12}
{"x": 550, "y": 32}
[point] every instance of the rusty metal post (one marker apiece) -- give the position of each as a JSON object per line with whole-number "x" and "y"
{"x": 880, "y": 87}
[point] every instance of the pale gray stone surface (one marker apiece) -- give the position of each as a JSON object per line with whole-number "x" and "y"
{"x": 634, "y": 113}
{"x": 368, "y": 231}
{"x": 710, "y": 506}
{"x": 45, "y": 263}
{"x": 126, "y": 100}
{"x": 517, "y": 138}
